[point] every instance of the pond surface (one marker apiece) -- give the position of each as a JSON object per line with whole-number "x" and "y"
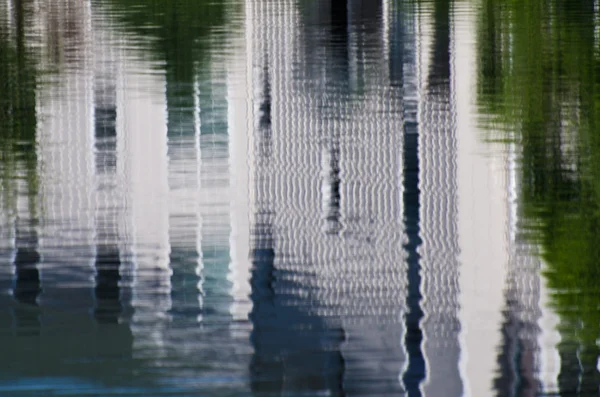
{"x": 299, "y": 197}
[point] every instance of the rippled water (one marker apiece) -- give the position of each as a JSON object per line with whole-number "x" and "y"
{"x": 299, "y": 197}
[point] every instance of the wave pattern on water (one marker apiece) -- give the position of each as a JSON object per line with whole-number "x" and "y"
{"x": 297, "y": 198}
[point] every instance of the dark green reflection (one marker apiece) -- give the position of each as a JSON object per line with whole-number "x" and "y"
{"x": 177, "y": 32}
{"x": 17, "y": 108}
{"x": 539, "y": 75}
{"x": 18, "y": 163}
{"x": 179, "y": 35}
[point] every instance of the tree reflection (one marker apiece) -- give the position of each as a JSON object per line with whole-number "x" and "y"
{"x": 17, "y": 107}
{"x": 178, "y": 32}
{"x": 18, "y": 162}
{"x": 539, "y": 76}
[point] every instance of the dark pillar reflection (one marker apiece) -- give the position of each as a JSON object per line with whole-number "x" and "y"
{"x": 294, "y": 350}
{"x": 340, "y": 77}
{"x": 578, "y": 373}
{"x": 415, "y": 372}
{"x": 339, "y": 40}
{"x": 569, "y": 379}
{"x": 27, "y": 284}
{"x": 333, "y": 212}
{"x": 439, "y": 200}
{"x": 107, "y": 291}
{"x": 27, "y": 287}
{"x": 398, "y": 39}
{"x": 403, "y": 52}
{"x": 264, "y": 121}
{"x": 516, "y": 359}
{"x": 439, "y": 72}
{"x": 19, "y": 125}
{"x": 106, "y": 138}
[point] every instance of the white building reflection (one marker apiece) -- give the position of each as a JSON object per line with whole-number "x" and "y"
{"x": 326, "y": 201}
{"x": 327, "y": 181}
{"x": 479, "y": 284}
{"x": 508, "y": 336}
{"x": 134, "y": 202}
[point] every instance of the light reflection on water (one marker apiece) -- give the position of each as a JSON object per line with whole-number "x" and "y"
{"x": 292, "y": 198}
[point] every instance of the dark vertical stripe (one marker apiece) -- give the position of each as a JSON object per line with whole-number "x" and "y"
{"x": 439, "y": 72}
{"x": 105, "y": 123}
{"x": 265, "y": 370}
{"x": 415, "y": 372}
{"x": 295, "y": 351}
{"x": 399, "y": 57}
{"x": 264, "y": 120}
{"x": 27, "y": 287}
{"x": 335, "y": 196}
{"x": 106, "y": 138}
{"x": 340, "y": 40}
{"x": 507, "y": 381}
{"x": 397, "y": 40}
{"x": 107, "y": 291}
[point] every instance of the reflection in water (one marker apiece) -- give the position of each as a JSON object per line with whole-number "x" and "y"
{"x": 438, "y": 212}
{"x": 27, "y": 285}
{"x": 545, "y": 98}
{"x": 27, "y": 276}
{"x": 314, "y": 284}
{"x": 107, "y": 261}
{"x": 294, "y": 351}
{"x": 331, "y": 153}
{"x": 292, "y": 197}
{"x": 404, "y": 71}
{"x": 107, "y": 291}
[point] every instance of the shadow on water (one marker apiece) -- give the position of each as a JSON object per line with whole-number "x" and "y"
{"x": 295, "y": 351}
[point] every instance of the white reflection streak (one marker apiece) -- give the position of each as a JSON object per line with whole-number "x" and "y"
{"x": 197, "y": 131}
{"x": 144, "y": 111}
{"x": 549, "y": 336}
{"x": 548, "y": 340}
{"x": 238, "y": 124}
{"x": 65, "y": 146}
{"x": 482, "y": 223}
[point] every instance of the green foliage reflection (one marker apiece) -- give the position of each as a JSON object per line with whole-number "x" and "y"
{"x": 18, "y": 159}
{"x": 177, "y": 32}
{"x": 539, "y": 75}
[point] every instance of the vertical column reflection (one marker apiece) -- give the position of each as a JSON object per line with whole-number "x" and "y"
{"x": 215, "y": 182}
{"x": 438, "y": 211}
{"x": 407, "y": 62}
{"x": 327, "y": 301}
{"x": 27, "y": 281}
{"x": 185, "y": 222}
{"x": 19, "y": 146}
{"x": 295, "y": 350}
{"x": 27, "y": 286}
{"x": 146, "y": 169}
{"x": 107, "y": 259}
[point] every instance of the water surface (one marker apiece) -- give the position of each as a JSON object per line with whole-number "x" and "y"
{"x": 334, "y": 197}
